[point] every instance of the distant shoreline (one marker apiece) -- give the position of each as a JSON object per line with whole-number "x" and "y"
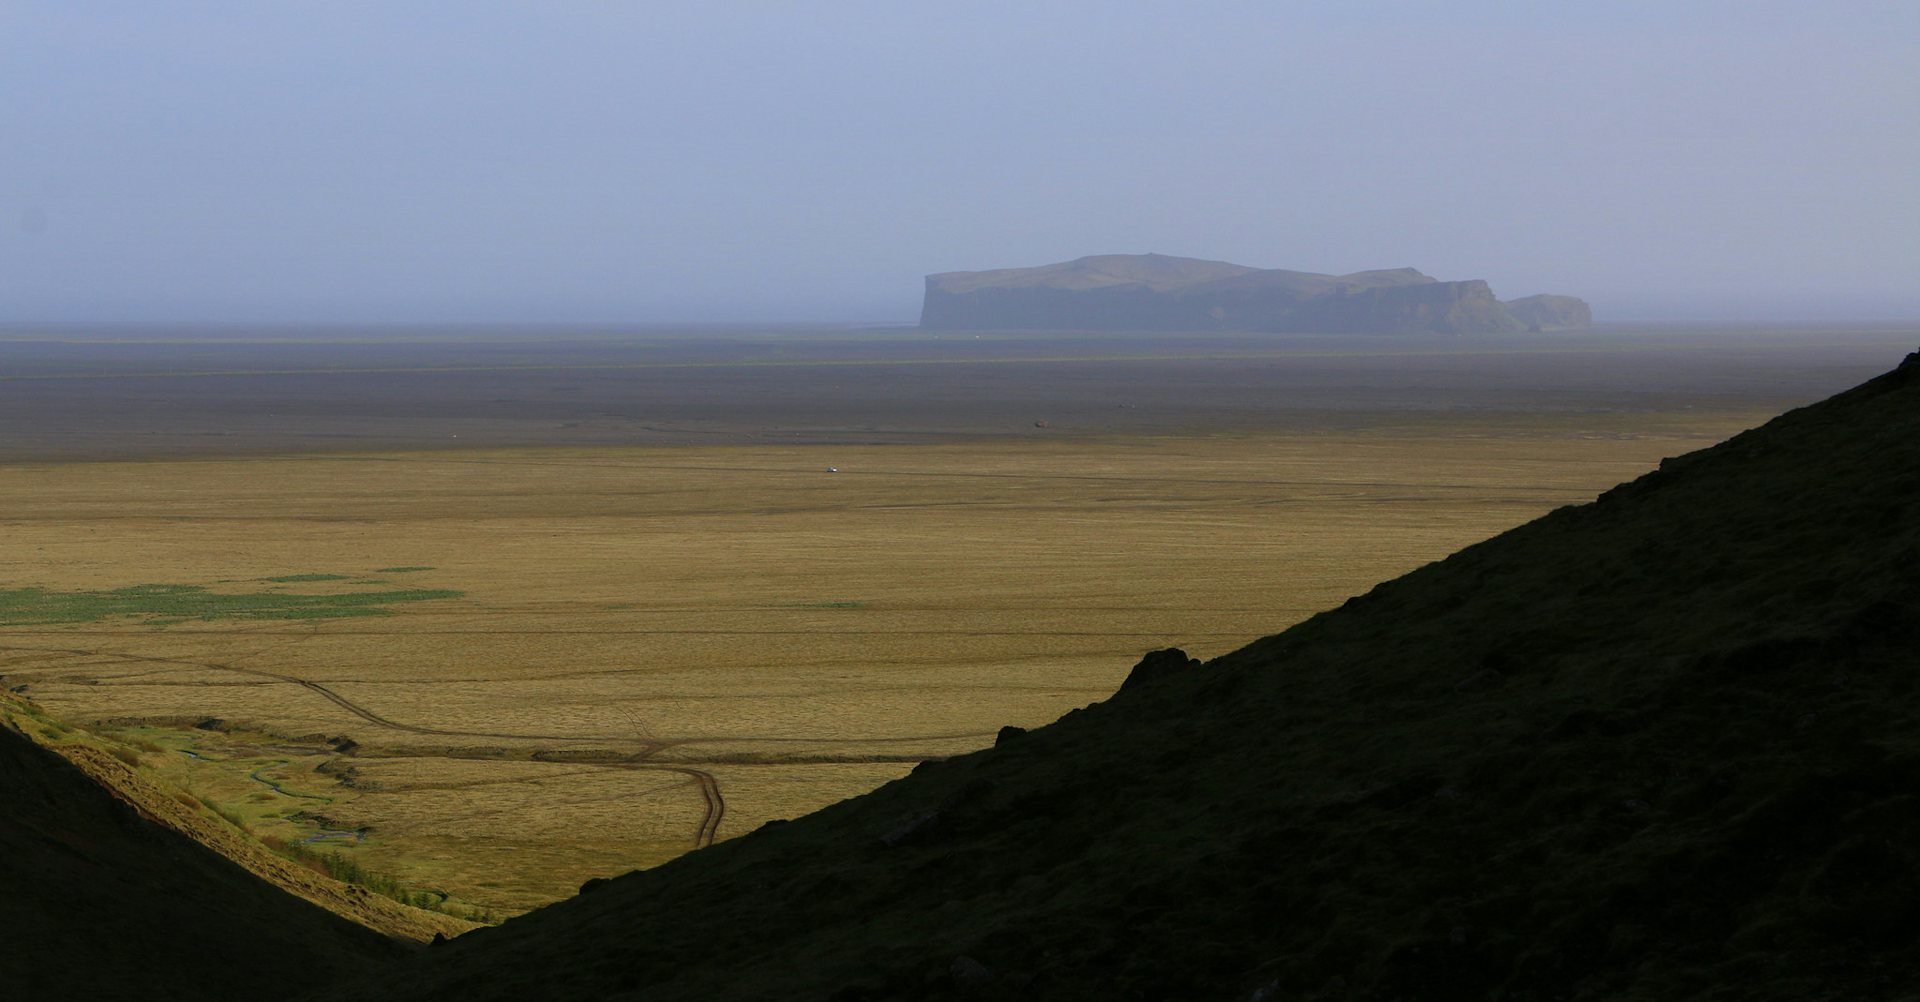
{"x": 120, "y": 396}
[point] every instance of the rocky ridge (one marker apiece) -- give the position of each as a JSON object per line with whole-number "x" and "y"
{"x": 1159, "y": 292}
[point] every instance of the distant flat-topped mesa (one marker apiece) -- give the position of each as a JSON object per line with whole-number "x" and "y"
{"x": 1157, "y": 292}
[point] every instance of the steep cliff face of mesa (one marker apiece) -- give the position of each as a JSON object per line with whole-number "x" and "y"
{"x": 1441, "y": 308}
{"x": 1157, "y": 292}
{"x": 1551, "y": 313}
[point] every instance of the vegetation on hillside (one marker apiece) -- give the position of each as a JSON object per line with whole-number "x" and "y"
{"x": 102, "y": 902}
{"x": 148, "y": 777}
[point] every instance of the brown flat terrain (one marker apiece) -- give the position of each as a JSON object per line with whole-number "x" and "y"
{"x": 653, "y": 644}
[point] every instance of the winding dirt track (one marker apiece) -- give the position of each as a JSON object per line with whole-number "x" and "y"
{"x": 709, "y": 790}
{"x": 709, "y": 787}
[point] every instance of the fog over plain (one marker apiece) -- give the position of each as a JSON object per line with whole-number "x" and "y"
{"x": 376, "y": 163}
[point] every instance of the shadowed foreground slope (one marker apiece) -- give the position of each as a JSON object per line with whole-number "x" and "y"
{"x": 1662, "y": 746}
{"x": 99, "y": 902}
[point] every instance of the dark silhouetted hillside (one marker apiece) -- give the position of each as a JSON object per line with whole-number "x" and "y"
{"x": 1661, "y": 746}
{"x": 1157, "y": 292}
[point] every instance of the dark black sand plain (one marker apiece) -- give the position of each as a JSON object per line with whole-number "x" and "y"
{"x": 97, "y": 393}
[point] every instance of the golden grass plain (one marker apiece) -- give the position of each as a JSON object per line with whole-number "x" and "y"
{"x": 636, "y": 618}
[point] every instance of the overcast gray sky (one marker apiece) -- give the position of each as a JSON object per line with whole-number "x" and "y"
{"x": 643, "y": 162}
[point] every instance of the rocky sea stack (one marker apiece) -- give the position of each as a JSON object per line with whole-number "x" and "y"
{"x": 1157, "y": 292}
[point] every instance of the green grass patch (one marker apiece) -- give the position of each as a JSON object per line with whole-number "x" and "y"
{"x": 347, "y": 870}
{"x": 161, "y": 604}
{"x": 846, "y": 604}
{"x": 294, "y": 578}
{"x": 227, "y": 814}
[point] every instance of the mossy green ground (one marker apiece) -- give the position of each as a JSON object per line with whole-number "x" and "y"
{"x": 163, "y": 604}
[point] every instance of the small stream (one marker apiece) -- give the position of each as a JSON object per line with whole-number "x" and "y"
{"x": 355, "y": 835}
{"x": 281, "y": 790}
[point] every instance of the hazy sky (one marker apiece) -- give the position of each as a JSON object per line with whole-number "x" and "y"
{"x": 653, "y": 162}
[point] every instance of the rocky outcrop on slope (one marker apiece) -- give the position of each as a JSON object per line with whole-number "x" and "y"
{"x": 1158, "y": 292}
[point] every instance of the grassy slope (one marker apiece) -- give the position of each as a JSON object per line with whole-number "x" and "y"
{"x": 100, "y": 901}
{"x": 107, "y": 762}
{"x": 1666, "y": 745}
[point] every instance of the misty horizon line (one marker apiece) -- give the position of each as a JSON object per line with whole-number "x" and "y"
{"x": 851, "y": 320}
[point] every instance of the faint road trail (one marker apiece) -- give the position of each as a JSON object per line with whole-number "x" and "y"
{"x": 709, "y": 790}
{"x": 709, "y": 787}
{"x": 343, "y": 702}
